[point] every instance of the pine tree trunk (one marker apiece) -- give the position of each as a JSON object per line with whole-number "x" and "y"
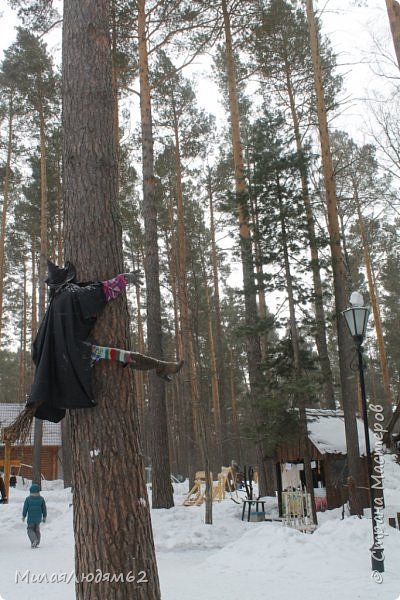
{"x": 6, "y": 193}
{"x": 38, "y": 424}
{"x": 140, "y": 375}
{"x": 162, "y": 491}
{"x": 300, "y": 400}
{"x": 66, "y": 451}
{"x": 190, "y": 376}
{"x": 250, "y": 298}
{"x": 114, "y": 74}
{"x": 34, "y": 320}
{"x": 220, "y": 365}
{"x": 393, "y": 10}
{"x": 375, "y": 307}
{"x": 320, "y": 323}
{"x": 209, "y": 495}
{"x": 112, "y": 524}
{"x": 235, "y": 416}
{"x": 60, "y": 254}
{"x": 262, "y": 305}
{"x": 214, "y": 380}
{"x": 345, "y": 343}
{"x": 182, "y": 439}
{"x": 261, "y": 302}
{"x": 22, "y": 384}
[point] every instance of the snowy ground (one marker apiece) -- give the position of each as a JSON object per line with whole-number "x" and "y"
{"x": 230, "y": 560}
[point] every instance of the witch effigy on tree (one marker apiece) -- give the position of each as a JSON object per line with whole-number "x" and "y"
{"x": 64, "y": 354}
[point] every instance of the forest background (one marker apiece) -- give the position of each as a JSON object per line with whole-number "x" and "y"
{"x": 204, "y": 306}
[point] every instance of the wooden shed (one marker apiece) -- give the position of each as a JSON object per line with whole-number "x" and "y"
{"x": 327, "y": 448}
{"x": 21, "y": 455}
{"x": 392, "y": 436}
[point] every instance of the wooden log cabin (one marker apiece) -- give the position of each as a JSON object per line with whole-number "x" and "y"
{"x": 327, "y": 449}
{"x": 21, "y": 455}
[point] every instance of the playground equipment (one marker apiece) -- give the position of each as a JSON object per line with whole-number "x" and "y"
{"x": 7, "y": 462}
{"x": 196, "y": 496}
{"x": 226, "y": 483}
{"x": 297, "y": 511}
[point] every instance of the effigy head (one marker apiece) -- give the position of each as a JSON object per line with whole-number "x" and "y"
{"x": 59, "y": 276}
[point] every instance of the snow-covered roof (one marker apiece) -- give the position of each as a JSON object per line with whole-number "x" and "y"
{"x": 326, "y": 431}
{"x": 51, "y": 431}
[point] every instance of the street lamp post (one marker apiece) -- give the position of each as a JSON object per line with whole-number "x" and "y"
{"x": 357, "y": 318}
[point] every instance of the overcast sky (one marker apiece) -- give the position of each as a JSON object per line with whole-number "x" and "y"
{"x": 360, "y": 37}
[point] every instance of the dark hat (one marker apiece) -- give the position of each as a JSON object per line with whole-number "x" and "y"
{"x": 34, "y": 489}
{"x": 60, "y": 276}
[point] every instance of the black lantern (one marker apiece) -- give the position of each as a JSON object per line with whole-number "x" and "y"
{"x": 357, "y": 318}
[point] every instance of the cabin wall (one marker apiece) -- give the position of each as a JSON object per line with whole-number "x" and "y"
{"x": 49, "y": 461}
{"x": 332, "y": 471}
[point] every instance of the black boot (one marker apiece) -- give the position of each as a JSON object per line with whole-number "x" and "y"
{"x": 164, "y": 369}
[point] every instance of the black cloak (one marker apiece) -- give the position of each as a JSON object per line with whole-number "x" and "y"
{"x": 62, "y": 351}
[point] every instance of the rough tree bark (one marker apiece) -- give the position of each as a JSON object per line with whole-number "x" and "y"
{"x": 162, "y": 491}
{"x": 250, "y": 298}
{"x": 140, "y": 375}
{"x": 345, "y": 343}
{"x": 66, "y": 451}
{"x": 217, "y": 458}
{"x": 193, "y": 421}
{"x": 60, "y": 233}
{"x": 34, "y": 320}
{"x": 6, "y": 194}
{"x": 22, "y": 360}
{"x": 180, "y": 438}
{"x": 235, "y": 416}
{"x": 262, "y": 304}
{"x": 113, "y": 535}
{"x": 38, "y": 424}
{"x": 320, "y": 321}
{"x": 299, "y": 396}
{"x": 219, "y": 346}
{"x": 393, "y": 10}
{"x": 375, "y": 305}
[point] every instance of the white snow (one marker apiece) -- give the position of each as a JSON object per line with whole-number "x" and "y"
{"x": 229, "y": 560}
{"x": 95, "y": 453}
{"x": 326, "y": 431}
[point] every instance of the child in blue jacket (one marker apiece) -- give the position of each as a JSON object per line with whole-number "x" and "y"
{"x": 35, "y": 508}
